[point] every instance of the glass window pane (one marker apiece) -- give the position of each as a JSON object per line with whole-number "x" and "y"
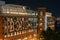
{"x": 41, "y": 13}
{"x": 4, "y": 10}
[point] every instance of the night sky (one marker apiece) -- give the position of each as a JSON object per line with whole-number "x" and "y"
{"x": 51, "y": 5}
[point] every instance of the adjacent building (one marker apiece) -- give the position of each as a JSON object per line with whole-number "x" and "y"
{"x": 50, "y": 21}
{"x": 57, "y": 24}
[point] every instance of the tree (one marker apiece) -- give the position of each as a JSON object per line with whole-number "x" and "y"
{"x": 50, "y": 34}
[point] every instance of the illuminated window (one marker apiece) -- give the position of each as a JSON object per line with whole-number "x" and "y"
{"x": 11, "y": 11}
{"x": 8, "y": 19}
{"x": 36, "y": 14}
{"x": 33, "y": 13}
{"x": 41, "y": 24}
{"x": 5, "y": 27}
{"x": 8, "y": 35}
{"x": 50, "y": 23}
{"x": 17, "y": 39}
{"x": 23, "y": 7}
{"x": 30, "y": 36}
{"x": 40, "y": 19}
{"x": 35, "y": 19}
{"x": 25, "y": 38}
{"x": 19, "y": 32}
{"x": 35, "y": 35}
{"x": 41, "y": 13}
{"x": 30, "y": 30}
{"x": 23, "y": 31}
{"x": 4, "y": 10}
{"x": 7, "y": 10}
{"x": 40, "y": 28}
{"x": 5, "y": 35}
{"x": 16, "y": 12}
{"x": 22, "y": 19}
{"x": 14, "y": 33}
{"x": 30, "y": 19}
{"x": 11, "y": 34}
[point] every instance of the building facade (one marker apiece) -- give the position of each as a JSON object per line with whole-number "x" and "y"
{"x": 24, "y": 24}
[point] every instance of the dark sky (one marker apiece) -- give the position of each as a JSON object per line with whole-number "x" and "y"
{"x": 51, "y": 5}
